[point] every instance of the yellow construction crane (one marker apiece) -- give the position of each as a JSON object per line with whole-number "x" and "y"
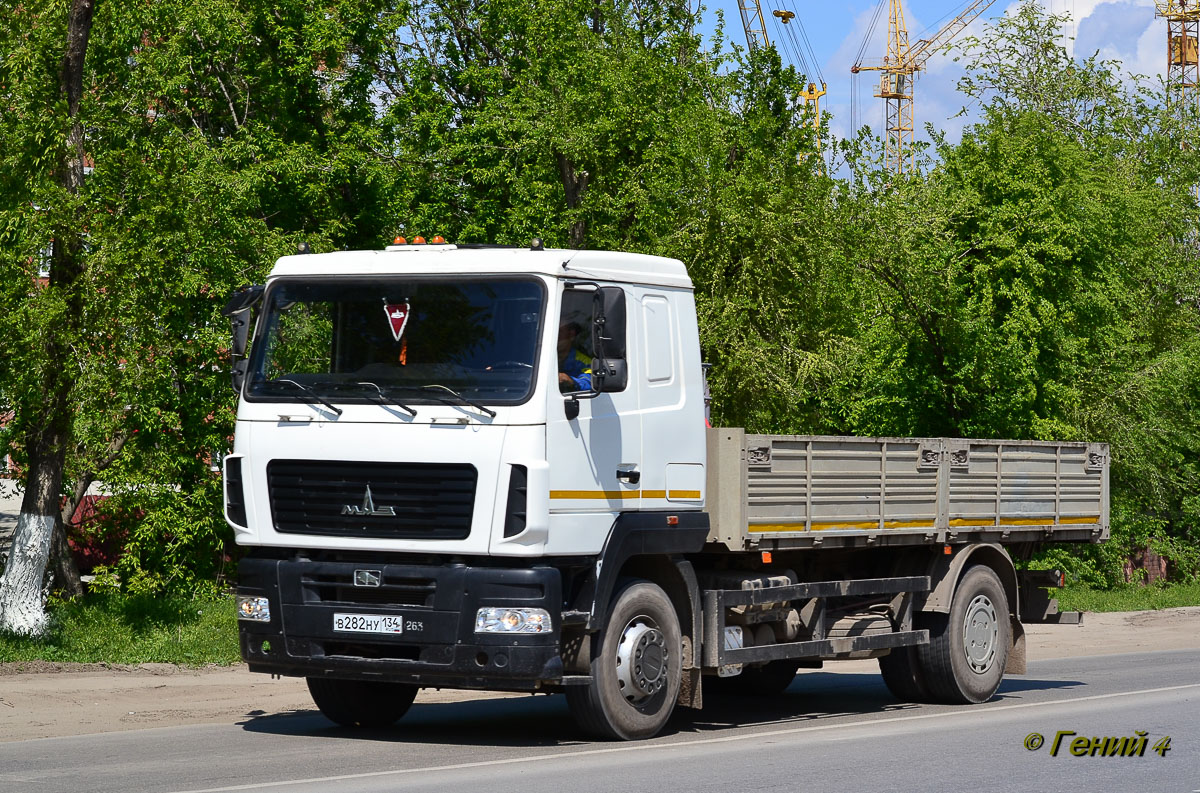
{"x": 755, "y": 25}
{"x": 898, "y": 71}
{"x": 1183, "y": 60}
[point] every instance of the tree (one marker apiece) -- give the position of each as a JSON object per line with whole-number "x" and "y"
{"x": 568, "y": 120}
{"x": 46, "y": 441}
{"x": 611, "y": 125}
{"x": 762, "y": 240}
{"x": 1041, "y": 280}
{"x": 213, "y": 137}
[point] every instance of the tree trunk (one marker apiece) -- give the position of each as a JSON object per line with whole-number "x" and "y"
{"x": 575, "y": 184}
{"x": 66, "y": 573}
{"x": 22, "y": 609}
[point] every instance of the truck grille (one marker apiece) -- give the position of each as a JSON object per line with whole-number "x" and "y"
{"x": 374, "y": 500}
{"x": 337, "y": 589}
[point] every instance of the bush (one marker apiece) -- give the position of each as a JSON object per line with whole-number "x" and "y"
{"x": 180, "y": 544}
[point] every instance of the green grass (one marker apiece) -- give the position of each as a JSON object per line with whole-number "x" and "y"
{"x": 1128, "y": 598}
{"x": 127, "y": 629}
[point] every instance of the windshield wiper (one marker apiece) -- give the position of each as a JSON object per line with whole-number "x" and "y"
{"x": 315, "y": 396}
{"x": 384, "y": 397}
{"x": 450, "y": 397}
{"x": 458, "y": 398}
{"x": 380, "y": 395}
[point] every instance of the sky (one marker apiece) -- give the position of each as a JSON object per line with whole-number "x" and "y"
{"x": 1125, "y": 30}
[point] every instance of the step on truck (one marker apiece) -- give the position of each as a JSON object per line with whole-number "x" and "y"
{"x": 476, "y": 467}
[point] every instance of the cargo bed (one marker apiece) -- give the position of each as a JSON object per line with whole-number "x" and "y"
{"x": 782, "y": 492}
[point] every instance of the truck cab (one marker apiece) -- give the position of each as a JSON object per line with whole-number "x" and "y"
{"x": 437, "y": 444}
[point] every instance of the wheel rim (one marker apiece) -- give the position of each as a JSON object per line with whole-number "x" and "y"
{"x": 981, "y": 631}
{"x": 641, "y": 660}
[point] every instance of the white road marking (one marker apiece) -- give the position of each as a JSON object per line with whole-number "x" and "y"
{"x": 641, "y": 747}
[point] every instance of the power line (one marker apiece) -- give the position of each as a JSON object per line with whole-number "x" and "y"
{"x": 866, "y": 42}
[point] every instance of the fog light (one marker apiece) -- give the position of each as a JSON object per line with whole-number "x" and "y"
{"x": 505, "y": 620}
{"x": 255, "y": 609}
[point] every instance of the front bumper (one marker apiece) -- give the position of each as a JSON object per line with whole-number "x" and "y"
{"x": 437, "y": 647}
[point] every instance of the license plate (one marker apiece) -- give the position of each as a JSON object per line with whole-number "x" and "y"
{"x": 367, "y": 623}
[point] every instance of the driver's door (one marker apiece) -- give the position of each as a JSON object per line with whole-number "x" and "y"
{"x": 595, "y": 459}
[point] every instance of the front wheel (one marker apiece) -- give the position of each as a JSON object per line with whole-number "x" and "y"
{"x": 361, "y": 703}
{"x": 968, "y": 648}
{"x": 636, "y": 667}
{"x": 903, "y": 676}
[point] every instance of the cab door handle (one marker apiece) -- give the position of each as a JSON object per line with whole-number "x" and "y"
{"x": 629, "y": 475}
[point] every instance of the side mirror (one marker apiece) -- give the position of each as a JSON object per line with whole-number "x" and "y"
{"x": 610, "y": 371}
{"x": 609, "y": 375}
{"x": 239, "y": 308}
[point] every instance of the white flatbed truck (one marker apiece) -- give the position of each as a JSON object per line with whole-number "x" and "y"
{"x": 429, "y": 496}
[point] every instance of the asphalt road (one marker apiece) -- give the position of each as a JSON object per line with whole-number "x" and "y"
{"x": 830, "y": 732}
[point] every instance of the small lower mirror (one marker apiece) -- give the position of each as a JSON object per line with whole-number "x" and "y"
{"x": 240, "y": 365}
{"x": 610, "y": 375}
{"x": 571, "y": 408}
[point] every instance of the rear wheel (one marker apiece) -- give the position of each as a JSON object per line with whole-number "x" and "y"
{"x": 636, "y": 667}
{"x": 968, "y": 648}
{"x": 361, "y": 703}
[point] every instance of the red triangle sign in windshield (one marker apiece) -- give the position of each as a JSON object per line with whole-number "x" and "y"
{"x": 397, "y": 314}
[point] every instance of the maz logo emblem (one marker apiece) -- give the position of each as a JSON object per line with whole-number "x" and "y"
{"x": 368, "y": 508}
{"x": 368, "y": 577}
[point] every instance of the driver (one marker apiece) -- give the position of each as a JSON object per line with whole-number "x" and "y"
{"x": 574, "y": 368}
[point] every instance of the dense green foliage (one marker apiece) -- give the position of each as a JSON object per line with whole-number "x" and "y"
{"x": 1039, "y": 280}
{"x": 217, "y": 140}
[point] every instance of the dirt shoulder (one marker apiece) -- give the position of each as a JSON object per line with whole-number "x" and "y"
{"x": 42, "y": 700}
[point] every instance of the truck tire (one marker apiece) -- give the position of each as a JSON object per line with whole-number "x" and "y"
{"x": 902, "y": 675}
{"x": 968, "y": 648}
{"x": 361, "y": 703}
{"x": 636, "y": 667}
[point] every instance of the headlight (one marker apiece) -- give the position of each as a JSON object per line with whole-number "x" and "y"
{"x": 256, "y": 609}
{"x": 504, "y": 620}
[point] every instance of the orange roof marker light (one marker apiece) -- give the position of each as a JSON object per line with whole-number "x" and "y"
{"x": 438, "y": 240}
{"x": 418, "y": 240}
{"x": 399, "y": 241}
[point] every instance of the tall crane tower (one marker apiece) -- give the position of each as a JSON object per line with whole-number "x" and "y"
{"x": 1183, "y": 60}
{"x": 755, "y": 25}
{"x": 898, "y": 71}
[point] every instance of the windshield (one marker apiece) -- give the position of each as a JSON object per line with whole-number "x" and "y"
{"x": 405, "y": 339}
